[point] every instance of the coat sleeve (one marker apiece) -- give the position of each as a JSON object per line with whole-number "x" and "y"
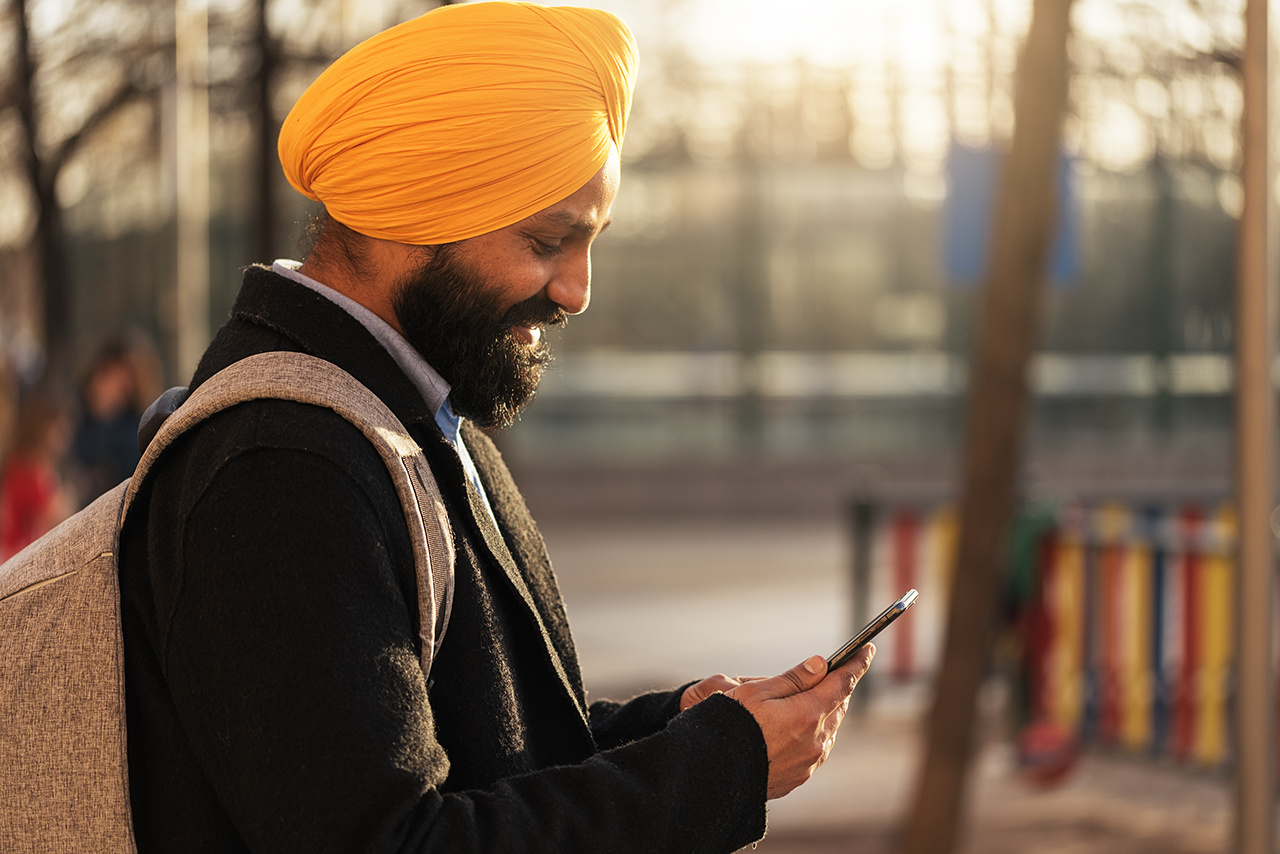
{"x": 616, "y": 723}
{"x": 287, "y": 645}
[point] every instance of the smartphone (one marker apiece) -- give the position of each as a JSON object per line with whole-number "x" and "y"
{"x": 871, "y": 629}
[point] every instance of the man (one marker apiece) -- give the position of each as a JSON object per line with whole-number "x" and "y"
{"x": 467, "y": 160}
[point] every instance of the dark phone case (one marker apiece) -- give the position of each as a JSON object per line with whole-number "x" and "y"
{"x": 870, "y": 630}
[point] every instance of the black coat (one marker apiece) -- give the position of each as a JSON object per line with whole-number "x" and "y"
{"x": 275, "y": 700}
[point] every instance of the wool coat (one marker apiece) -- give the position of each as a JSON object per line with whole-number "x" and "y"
{"x": 274, "y": 694}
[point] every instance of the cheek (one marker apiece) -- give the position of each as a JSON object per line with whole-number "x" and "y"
{"x": 513, "y": 272}
{"x": 518, "y": 283}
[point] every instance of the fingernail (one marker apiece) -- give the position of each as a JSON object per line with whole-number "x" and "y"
{"x": 813, "y": 664}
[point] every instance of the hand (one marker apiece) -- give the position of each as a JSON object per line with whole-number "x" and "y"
{"x": 799, "y": 712}
{"x": 700, "y": 691}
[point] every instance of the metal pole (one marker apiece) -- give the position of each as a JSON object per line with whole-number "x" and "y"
{"x": 1255, "y": 416}
{"x": 191, "y": 136}
{"x": 862, "y": 513}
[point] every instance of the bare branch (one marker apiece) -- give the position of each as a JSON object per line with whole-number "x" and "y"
{"x": 94, "y": 50}
{"x": 124, "y": 94}
{"x": 311, "y": 57}
{"x": 1229, "y": 58}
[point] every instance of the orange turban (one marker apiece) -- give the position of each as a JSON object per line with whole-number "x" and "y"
{"x": 462, "y": 121}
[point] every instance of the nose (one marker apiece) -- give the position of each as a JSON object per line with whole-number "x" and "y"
{"x": 571, "y": 287}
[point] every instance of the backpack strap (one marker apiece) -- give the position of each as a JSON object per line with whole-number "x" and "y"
{"x": 306, "y": 379}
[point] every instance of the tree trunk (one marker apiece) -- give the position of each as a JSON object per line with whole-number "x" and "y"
{"x": 58, "y": 304}
{"x": 995, "y": 426}
{"x": 1255, "y": 710}
{"x": 47, "y": 238}
{"x": 41, "y": 167}
{"x": 264, "y": 246}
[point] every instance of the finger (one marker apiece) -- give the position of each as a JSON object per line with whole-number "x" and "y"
{"x": 800, "y": 678}
{"x": 719, "y": 682}
{"x": 855, "y": 668}
{"x": 700, "y": 691}
{"x": 861, "y": 661}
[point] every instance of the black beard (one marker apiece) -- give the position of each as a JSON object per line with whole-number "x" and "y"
{"x": 451, "y": 316}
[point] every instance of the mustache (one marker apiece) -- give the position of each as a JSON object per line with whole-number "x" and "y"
{"x": 537, "y": 310}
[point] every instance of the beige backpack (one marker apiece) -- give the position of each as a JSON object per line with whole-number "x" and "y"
{"x": 64, "y": 782}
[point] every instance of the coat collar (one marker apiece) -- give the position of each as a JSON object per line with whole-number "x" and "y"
{"x": 318, "y": 326}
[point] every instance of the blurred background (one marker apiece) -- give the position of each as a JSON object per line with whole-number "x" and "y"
{"x": 793, "y": 269}
{"x": 752, "y": 437}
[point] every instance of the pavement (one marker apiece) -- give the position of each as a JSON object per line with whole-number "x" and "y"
{"x": 656, "y": 602}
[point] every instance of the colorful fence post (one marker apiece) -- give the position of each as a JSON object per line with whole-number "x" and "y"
{"x": 1067, "y": 595}
{"x": 1136, "y": 620}
{"x": 1112, "y": 523}
{"x": 1217, "y": 639}
{"x": 906, "y": 532}
{"x": 1157, "y": 536}
{"x": 1191, "y": 522}
{"x": 1126, "y": 618}
{"x": 934, "y": 579}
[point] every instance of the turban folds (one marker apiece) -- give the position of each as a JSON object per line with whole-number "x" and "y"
{"x": 462, "y": 121}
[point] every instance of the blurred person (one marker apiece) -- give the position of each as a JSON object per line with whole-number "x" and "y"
{"x": 118, "y": 385}
{"x": 33, "y": 498}
{"x": 143, "y": 355}
{"x": 467, "y": 160}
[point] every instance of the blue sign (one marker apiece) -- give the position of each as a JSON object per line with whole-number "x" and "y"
{"x": 973, "y": 174}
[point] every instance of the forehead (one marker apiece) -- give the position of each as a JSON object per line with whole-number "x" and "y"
{"x": 587, "y": 209}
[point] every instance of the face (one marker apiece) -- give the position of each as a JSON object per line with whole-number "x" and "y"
{"x": 476, "y": 309}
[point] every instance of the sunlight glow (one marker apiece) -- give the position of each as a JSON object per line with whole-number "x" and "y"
{"x": 937, "y": 70}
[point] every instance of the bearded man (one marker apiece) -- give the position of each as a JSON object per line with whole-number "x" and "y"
{"x": 467, "y": 160}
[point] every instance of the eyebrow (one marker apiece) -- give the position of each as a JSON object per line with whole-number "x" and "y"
{"x": 582, "y": 226}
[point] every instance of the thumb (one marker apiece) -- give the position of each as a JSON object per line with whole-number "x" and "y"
{"x": 798, "y": 679}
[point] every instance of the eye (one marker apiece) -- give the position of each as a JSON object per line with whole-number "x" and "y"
{"x": 541, "y": 247}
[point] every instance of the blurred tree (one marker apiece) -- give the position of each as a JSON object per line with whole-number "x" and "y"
{"x": 848, "y": 150}
{"x": 998, "y": 404}
{"x": 67, "y": 79}
{"x": 77, "y": 70}
{"x": 264, "y": 214}
{"x": 1155, "y": 102}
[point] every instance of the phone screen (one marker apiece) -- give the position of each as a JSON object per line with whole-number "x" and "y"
{"x": 871, "y": 629}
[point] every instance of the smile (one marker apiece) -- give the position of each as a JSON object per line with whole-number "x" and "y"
{"x": 527, "y": 334}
